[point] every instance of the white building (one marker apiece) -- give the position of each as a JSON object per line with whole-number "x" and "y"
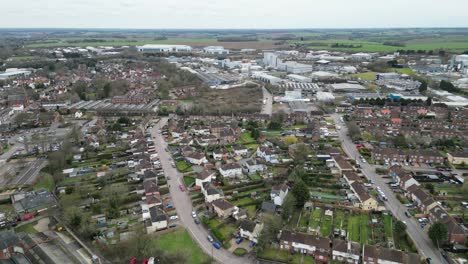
{"x": 325, "y": 96}
{"x": 299, "y": 78}
{"x": 164, "y": 48}
{"x": 278, "y": 193}
{"x": 264, "y": 77}
{"x": 361, "y": 56}
{"x": 272, "y": 60}
{"x": 250, "y": 230}
{"x": 157, "y": 221}
{"x": 215, "y": 50}
{"x": 230, "y": 170}
{"x": 13, "y": 72}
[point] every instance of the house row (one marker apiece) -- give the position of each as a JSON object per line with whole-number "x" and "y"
{"x": 427, "y": 205}
{"x": 413, "y": 156}
{"x": 324, "y": 250}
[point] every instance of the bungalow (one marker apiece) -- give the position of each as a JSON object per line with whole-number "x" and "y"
{"x": 250, "y": 230}
{"x": 240, "y": 150}
{"x": 222, "y": 208}
{"x": 204, "y": 176}
{"x": 278, "y": 193}
{"x": 306, "y": 244}
{"x": 366, "y": 201}
{"x": 196, "y": 158}
{"x": 230, "y": 170}
{"x": 210, "y": 192}
{"x": 457, "y": 158}
{"x": 252, "y": 167}
{"x": 346, "y": 251}
{"x": 157, "y": 221}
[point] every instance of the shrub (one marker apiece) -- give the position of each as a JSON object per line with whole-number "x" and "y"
{"x": 240, "y": 251}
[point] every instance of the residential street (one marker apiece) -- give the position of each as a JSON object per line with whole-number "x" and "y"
{"x": 419, "y": 236}
{"x": 183, "y": 204}
{"x": 267, "y": 108}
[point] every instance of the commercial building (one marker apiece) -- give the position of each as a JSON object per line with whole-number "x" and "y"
{"x": 162, "y": 48}
{"x": 219, "y": 50}
{"x": 299, "y": 78}
{"x": 346, "y": 87}
{"x": 14, "y": 72}
{"x": 264, "y": 77}
{"x": 361, "y": 56}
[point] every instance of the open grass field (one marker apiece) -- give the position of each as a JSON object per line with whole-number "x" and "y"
{"x": 181, "y": 242}
{"x": 365, "y": 76}
{"x": 241, "y": 99}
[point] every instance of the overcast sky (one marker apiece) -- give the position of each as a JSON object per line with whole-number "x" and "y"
{"x": 233, "y": 13}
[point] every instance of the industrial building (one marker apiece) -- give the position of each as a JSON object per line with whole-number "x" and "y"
{"x": 346, "y": 87}
{"x": 299, "y": 78}
{"x": 218, "y": 50}
{"x": 264, "y": 77}
{"x": 14, "y": 72}
{"x": 361, "y": 56}
{"x": 163, "y": 48}
{"x": 273, "y": 60}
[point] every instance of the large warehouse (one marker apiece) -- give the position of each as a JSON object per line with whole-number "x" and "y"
{"x": 163, "y": 48}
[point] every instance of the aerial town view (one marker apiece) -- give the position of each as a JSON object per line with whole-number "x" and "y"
{"x": 233, "y": 132}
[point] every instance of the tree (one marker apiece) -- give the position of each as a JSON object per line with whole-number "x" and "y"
{"x": 353, "y": 130}
{"x": 438, "y": 233}
{"x": 274, "y": 125}
{"x": 429, "y": 101}
{"x": 399, "y": 228}
{"x": 288, "y": 207}
{"x": 301, "y": 193}
{"x": 400, "y": 141}
{"x": 430, "y": 187}
{"x": 272, "y": 226}
{"x": 423, "y": 87}
{"x": 255, "y": 133}
{"x": 289, "y": 140}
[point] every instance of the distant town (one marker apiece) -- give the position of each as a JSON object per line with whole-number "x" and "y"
{"x": 267, "y": 147}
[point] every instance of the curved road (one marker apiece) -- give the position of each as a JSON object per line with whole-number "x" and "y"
{"x": 183, "y": 204}
{"x": 419, "y": 236}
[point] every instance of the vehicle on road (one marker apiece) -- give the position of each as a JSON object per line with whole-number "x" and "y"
{"x": 407, "y": 214}
{"x": 217, "y": 245}
{"x": 210, "y": 239}
{"x": 194, "y": 214}
{"x": 197, "y": 221}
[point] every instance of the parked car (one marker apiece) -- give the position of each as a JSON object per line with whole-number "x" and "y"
{"x": 239, "y": 240}
{"x": 182, "y": 188}
{"x": 194, "y": 214}
{"x": 174, "y": 217}
{"x": 407, "y": 214}
{"x": 210, "y": 239}
{"x": 172, "y": 225}
{"x": 197, "y": 221}
{"x": 217, "y": 245}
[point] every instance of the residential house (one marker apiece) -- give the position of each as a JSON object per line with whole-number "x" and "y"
{"x": 158, "y": 220}
{"x": 346, "y": 251}
{"x": 457, "y": 158}
{"x": 407, "y": 181}
{"x": 456, "y": 232}
{"x": 306, "y": 244}
{"x": 366, "y": 201}
{"x": 396, "y": 172}
{"x": 268, "y": 207}
{"x": 196, "y": 158}
{"x": 266, "y": 154}
{"x": 421, "y": 198}
{"x": 222, "y": 208}
{"x": 220, "y": 154}
{"x": 342, "y": 164}
{"x": 252, "y": 167}
{"x": 425, "y": 156}
{"x": 204, "y": 176}
{"x": 374, "y": 255}
{"x": 240, "y": 150}
{"x": 250, "y": 230}
{"x": 278, "y": 193}
{"x": 230, "y": 170}
{"x": 351, "y": 177}
{"x": 210, "y": 192}
{"x": 388, "y": 154}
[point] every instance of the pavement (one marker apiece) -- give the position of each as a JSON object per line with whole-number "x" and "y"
{"x": 267, "y": 108}
{"x": 420, "y": 237}
{"x": 183, "y": 204}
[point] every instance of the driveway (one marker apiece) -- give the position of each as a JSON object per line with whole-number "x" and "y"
{"x": 183, "y": 204}
{"x": 420, "y": 238}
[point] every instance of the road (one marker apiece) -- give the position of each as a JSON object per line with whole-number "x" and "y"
{"x": 183, "y": 204}
{"x": 267, "y": 107}
{"x": 420, "y": 238}
{"x": 30, "y": 173}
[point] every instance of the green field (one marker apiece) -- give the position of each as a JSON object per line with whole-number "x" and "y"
{"x": 45, "y": 182}
{"x": 353, "y": 228}
{"x": 365, "y": 76}
{"x": 326, "y": 226}
{"x": 315, "y": 218}
{"x": 189, "y": 180}
{"x": 181, "y": 242}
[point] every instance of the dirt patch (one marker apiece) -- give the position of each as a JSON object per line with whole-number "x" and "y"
{"x": 42, "y": 225}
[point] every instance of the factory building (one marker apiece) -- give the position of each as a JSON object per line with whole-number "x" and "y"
{"x": 299, "y": 78}
{"x": 273, "y": 60}
{"x": 14, "y": 72}
{"x": 160, "y": 48}
{"x": 266, "y": 78}
{"x": 215, "y": 50}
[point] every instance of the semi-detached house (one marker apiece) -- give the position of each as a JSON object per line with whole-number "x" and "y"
{"x": 230, "y": 170}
